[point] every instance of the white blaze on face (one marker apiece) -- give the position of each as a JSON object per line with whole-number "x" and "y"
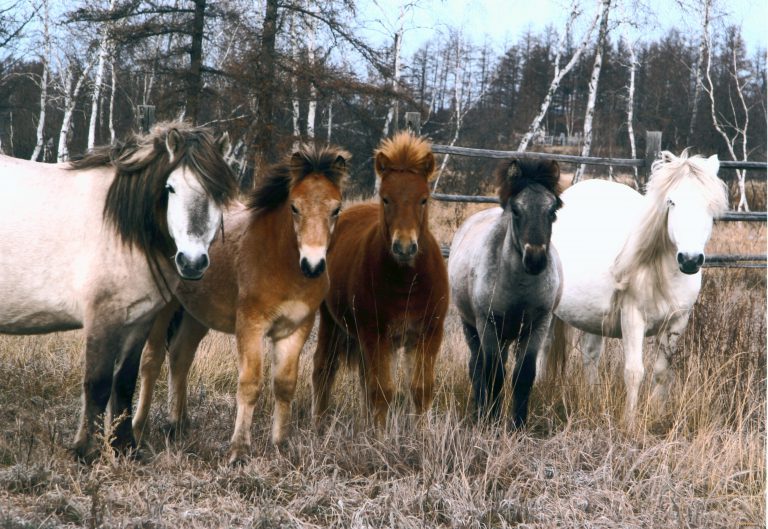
{"x": 314, "y": 255}
{"x": 193, "y": 219}
{"x": 689, "y": 222}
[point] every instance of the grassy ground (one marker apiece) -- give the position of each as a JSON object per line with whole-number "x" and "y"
{"x": 699, "y": 462}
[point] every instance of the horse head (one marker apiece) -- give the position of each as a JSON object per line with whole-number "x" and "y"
{"x": 529, "y": 194}
{"x": 315, "y": 202}
{"x": 691, "y": 202}
{"x": 193, "y": 215}
{"x": 405, "y": 164}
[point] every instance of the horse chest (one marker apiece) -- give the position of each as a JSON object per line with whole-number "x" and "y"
{"x": 287, "y": 317}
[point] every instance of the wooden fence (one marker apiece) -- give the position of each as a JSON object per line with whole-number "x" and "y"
{"x": 653, "y": 147}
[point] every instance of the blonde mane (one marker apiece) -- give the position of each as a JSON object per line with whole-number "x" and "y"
{"x": 639, "y": 267}
{"x": 405, "y": 152}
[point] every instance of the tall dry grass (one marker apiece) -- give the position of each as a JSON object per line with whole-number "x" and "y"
{"x": 698, "y": 462}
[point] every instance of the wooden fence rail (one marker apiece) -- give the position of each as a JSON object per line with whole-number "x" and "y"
{"x": 653, "y": 140}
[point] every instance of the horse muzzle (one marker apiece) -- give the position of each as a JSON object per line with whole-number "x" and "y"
{"x": 534, "y": 258}
{"x": 690, "y": 263}
{"x": 191, "y": 268}
{"x": 312, "y": 270}
{"x": 404, "y": 253}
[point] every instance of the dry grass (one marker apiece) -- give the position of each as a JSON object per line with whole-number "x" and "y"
{"x": 700, "y": 462}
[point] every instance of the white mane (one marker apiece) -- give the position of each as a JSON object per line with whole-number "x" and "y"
{"x": 638, "y": 268}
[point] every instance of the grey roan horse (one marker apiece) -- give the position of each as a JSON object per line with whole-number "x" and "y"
{"x": 506, "y": 280}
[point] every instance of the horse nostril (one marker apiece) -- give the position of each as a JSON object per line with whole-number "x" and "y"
{"x": 320, "y": 268}
{"x": 700, "y": 259}
{"x": 203, "y": 262}
{"x": 397, "y": 248}
{"x": 680, "y": 258}
{"x": 413, "y": 248}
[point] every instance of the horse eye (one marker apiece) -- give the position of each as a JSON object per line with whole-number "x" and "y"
{"x": 335, "y": 212}
{"x": 294, "y": 209}
{"x": 670, "y": 202}
{"x": 385, "y": 200}
{"x": 169, "y": 188}
{"x": 515, "y": 211}
{"x": 423, "y": 201}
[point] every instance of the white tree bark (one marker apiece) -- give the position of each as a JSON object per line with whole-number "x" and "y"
{"x": 295, "y": 106}
{"x": 312, "y": 104}
{"x": 391, "y": 113}
{"x": 330, "y": 121}
{"x": 45, "y": 60}
{"x": 458, "y": 114}
{"x": 631, "y": 104}
{"x": 99, "y": 79}
{"x": 697, "y": 73}
{"x": 605, "y": 7}
{"x": 112, "y": 135}
{"x": 70, "y": 99}
{"x": 559, "y": 73}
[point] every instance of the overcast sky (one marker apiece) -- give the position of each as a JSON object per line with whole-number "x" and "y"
{"x": 504, "y": 21}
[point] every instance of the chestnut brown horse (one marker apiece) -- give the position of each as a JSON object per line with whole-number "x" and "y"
{"x": 267, "y": 280}
{"x": 389, "y": 285}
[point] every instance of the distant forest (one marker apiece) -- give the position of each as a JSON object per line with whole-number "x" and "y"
{"x": 274, "y": 73}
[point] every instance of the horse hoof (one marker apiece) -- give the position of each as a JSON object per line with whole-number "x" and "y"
{"x": 85, "y": 455}
{"x": 237, "y": 457}
{"x": 173, "y": 431}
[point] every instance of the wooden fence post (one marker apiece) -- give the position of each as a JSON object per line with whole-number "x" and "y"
{"x": 652, "y": 150}
{"x": 413, "y": 122}
{"x": 146, "y": 117}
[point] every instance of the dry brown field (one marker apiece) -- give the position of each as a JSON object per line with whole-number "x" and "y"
{"x": 698, "y": 462}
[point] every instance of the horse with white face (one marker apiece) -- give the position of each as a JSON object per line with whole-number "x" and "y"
{"x": 86, "y": 245}
{"x": 505, "y": 280}
{"x": 631, "y": 263}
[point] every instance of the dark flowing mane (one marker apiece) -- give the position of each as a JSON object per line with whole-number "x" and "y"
{"x": 274, "y": 187}
{"x": 136, "y": 199}
{"x": 512, "y": 176}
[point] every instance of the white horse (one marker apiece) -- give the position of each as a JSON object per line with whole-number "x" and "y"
{"x": 87, "y": 245}
{"x": 631, "y": 263}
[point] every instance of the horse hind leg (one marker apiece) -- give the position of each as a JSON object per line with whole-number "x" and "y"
{"x": 181, "y": 353}
{"x": 151, "y": 363}
{"x": 591, "y": 350}
{"x": 325, "y": 364}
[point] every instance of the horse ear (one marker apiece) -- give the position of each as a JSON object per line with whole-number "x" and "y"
{"x": 224, "y": 144}
{"x": 173, "y": 143}
{"x": 513, "y": 171}
{"x": 713, "y": 164}
{"x": 429, "y": 166}
{"x": 340, "y": 163}
{"x": 381, "y": 163}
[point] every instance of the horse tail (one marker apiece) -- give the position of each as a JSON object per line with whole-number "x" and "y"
{"x": 173, "y": 326}
{"x": 558, "y": 350}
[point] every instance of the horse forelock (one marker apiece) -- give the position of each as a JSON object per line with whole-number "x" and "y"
{"x": 513, "y": 176}
{"x": 405, "y": 152}
{"x": 275, "y": 187}
{"x": 670, "y": 171}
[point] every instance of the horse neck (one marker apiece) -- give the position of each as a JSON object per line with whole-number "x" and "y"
{"x": 507, "y": 256}
{"x": 274, "y": 234}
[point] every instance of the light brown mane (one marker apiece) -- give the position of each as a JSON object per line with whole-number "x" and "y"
{"x": 136, "y": 198}
{"x": 406, "y": 152}
{"x": 639, "y": 267}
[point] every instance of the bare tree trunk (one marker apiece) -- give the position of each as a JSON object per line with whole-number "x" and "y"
{"x": 112, "y": 100}
{"x": 330, "y": 120}
{"x": 631, "y": 105}
{"x": 265, "y": 130}
{"x": 392, "y": 112}
{"x": 559, "y": 74}
{"x": 312, "y": 105}
{"x": 45, "y": 60}
{"x": 593, "y": 82}
{"x": 697, "y": 70}
{"x": 740, "y": 130}
{"x": 195, "y": 76}
{"x": 458, "y": 80}
{"x": 295, "y": 104}
{"x": 70, "y": 100}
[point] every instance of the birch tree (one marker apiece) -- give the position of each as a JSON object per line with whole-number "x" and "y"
{"x": 104, "y": 48}
{"x": 395, "y": 79}
{"x": 559, "y": 72}
{"x": 631, "y": 102}
{"x": 605, "y": 7}
{"x": 732, "y": 124}
{"x": 71, "y": 84}
{"x": 45, "y": 61}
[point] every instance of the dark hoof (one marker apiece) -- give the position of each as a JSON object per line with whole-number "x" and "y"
{"x": 173, "y": 431}
{"x": 86, "y": 455}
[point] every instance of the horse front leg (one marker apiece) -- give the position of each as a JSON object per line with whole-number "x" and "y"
{"x": 285, "y": 372}
{"x": 250, "y": 351}
{"x": 525, "y": 368}
{"x": 152, "y": 359}
{"x": 423, "y": 368}
{"x": 494, "y": 351}
{"x": 663, "y": 376}
{"x": 101, "y": 351}
{"x": 633, "y": 333}
{"x": 376, "y": 375}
